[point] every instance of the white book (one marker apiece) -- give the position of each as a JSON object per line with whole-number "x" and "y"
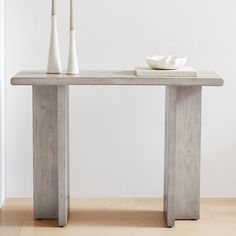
{"x": 182, "y": 72}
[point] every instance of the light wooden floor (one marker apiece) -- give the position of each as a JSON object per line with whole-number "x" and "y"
{"x": 119, "y": 217}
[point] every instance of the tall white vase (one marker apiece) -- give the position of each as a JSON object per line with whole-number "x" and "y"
{"x": 54, "y": 59}
{"x": 73, "y": 68}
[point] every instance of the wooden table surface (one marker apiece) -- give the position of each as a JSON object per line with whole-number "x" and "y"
{"x": 205, "y": 78}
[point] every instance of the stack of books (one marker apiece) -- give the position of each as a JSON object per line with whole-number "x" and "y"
{"x": 182, "y": 72}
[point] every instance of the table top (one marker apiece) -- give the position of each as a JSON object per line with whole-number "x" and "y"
{"x": 96, "y": 77}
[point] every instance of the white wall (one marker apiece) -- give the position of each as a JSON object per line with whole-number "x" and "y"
{"x": 2, "y": 101}
{"x": 117, "y": 133}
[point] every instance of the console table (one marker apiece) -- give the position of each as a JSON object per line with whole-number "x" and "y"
{"x": 51, "y": 138}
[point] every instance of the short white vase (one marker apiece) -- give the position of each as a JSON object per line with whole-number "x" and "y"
{"x": 54, "y": 59}
{"x": 73, "y": 68}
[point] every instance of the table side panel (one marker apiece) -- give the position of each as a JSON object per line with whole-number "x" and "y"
{"x": 170, "y": 147}
{"x": 45, "y": 163}
{"x": 63, "y": 155}
{"x": 188, "y": 144}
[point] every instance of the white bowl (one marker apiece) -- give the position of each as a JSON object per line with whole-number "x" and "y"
{"x": 166, "y": 62}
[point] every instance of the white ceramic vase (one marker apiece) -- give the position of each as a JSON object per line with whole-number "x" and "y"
{"x": 54, "y": 58}
{"x": 73, "y": 68}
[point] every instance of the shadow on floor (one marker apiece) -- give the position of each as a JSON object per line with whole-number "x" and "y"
{"x": 111, "y": 217}
{"x": 87, "y": 217}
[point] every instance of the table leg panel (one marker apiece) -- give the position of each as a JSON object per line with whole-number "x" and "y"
{"x": 188, "y": 143}
{"x": 63, "y": 154}
{"x": 170, "y": 147}
{"x": 51, "y": 152}
{"x": 45, "y": 163}
{"x": 182, "y": 153}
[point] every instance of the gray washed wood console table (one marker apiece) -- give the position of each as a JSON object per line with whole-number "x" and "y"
{"x": 51, "y": 139}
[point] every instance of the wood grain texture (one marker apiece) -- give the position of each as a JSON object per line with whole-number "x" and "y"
{"x": 51, "y": 152}
{"x": 170, "y": 147}
{"x": 118, "y": 217}
{"x": 188, "y": 144}
{"x": 45, "y": 163}
{"x": 112, "y": 78}
{"x": 182, "y": 154}
{"x": 51, "y": 138}
{"x": 63, "y": 154}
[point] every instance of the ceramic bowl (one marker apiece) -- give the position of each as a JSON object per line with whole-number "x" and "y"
{"x": 166, "y": 62}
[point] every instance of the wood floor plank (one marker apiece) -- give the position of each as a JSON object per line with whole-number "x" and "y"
{"x": 118, "y": 217}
